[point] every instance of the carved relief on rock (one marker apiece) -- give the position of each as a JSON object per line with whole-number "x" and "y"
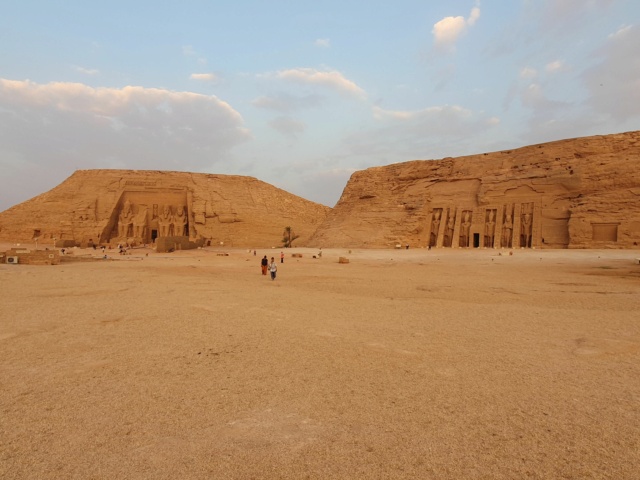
{"x": 165, "y": 222}
{"x": 140, "y": 223}
{"x": 125, "y": 221}
{"x": 465, "y": 228}
{"x": 526, "y": 223}
{"x": 180, "y": 221}
{"x": 507, "y": 227}
{"x": 448, "y": 233}
{"x": 489, "y": 228}
{"x": 435, "y": 226}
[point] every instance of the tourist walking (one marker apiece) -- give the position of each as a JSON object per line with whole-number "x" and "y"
{"x": 281, "y": 257}
{"x": 273, "y": 268}
{"x": 264, "y": 263}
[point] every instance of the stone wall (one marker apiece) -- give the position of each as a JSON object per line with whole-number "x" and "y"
{"x": 25, "y": 256}
{"x": 170, "y": 244}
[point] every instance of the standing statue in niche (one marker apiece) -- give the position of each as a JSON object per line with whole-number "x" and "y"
{"x": 180, "y": 222}
{"x": 125, "y": 221}
{"x": 140, "y": 223}
{"x": 435, "y": 228}
{"x": 465, "y": 229}
{"x": 449, "y": 232}
{"x": 507, "y": 231}
{"x": 490, "y": 229}
{"x": 526, "y": 230}
{"x": 164, "y": 222}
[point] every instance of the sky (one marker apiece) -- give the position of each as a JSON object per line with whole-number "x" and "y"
{"x": 302, "y": 94}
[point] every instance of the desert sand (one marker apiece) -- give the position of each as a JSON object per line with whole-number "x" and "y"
{"x": 432, "y": 364}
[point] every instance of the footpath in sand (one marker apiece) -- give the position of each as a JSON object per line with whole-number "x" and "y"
{"x": 400, "y": 364}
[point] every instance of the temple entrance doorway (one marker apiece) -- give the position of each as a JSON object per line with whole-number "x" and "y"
{"x": 154, "y": 235}
{"x": 476, "y": 240}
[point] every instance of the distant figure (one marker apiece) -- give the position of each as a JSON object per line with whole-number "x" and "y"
{"x": 254, "y": 253}
{"x": 281, "y": 257}
{"x": 273, "y": 268}
{"x": 320, "y": 254}
{"x": 264, "y": 263}
{"x": 407, "y": 246}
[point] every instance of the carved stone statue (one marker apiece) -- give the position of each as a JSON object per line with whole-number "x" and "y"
{"x": 180, "y": 222}
{"x": 125, "y": 220}
{"x": 435, "y": 228}
{"x": 526, "y": 230}
{"x": 464, "y": 229}
{"x": 449, "y": 231}
{"x": 490, "y": 229}
{"x": 164, "y": 222}
{"x": 507, "y": 231}
{"x": 140, "y": 223}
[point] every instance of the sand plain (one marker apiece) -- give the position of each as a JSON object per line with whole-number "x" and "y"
{"x": 441, "y": 364}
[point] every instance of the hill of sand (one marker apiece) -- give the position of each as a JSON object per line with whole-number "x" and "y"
{"x": 442, "y": 364}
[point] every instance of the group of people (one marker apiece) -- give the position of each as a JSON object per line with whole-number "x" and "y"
{"x": 272, "y": 267}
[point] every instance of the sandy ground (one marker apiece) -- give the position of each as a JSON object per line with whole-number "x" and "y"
{"x": 401, "y": 364}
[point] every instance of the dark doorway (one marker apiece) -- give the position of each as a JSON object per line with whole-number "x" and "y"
{"x": 154, "y": 235}
{"x": 476, "y": 240}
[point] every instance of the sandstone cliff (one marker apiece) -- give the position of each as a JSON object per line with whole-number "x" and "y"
{"x": 108, "y": 206}
{"x": 576, "y": 193}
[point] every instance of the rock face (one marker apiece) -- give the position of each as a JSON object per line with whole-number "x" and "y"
{"x": 111, "y": 206}
{"x": 577, "y": 193}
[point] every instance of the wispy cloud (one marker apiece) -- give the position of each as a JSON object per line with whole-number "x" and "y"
{"x": 322, "y": 42}
{"x": 204, "y": 77}
{"x": 288, "y": 126}
{"x": 331, "y": 79}
{"x": 86, "y": 71}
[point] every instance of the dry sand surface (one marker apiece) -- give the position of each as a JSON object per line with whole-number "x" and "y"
{"x": 401, "y": 364}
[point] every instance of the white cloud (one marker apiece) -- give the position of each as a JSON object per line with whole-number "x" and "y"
{"x": 448, "y": 31}
{"x": 331, "y": 79}
{"x": 473, "y": 16}
{"x": 188, "y": 51}
{"x": 322, "y": 42}
{"x": 204, "y": 77}
{"x": 66, "y": 126}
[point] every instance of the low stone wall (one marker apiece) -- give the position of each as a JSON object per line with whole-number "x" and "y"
{"x": 26, "y": 256}
{"x": 171, "y": 244}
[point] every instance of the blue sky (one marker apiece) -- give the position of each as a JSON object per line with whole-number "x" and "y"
{"x": 302, "y": 94}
